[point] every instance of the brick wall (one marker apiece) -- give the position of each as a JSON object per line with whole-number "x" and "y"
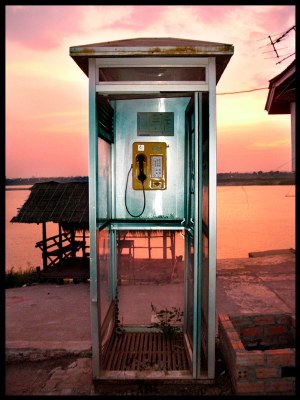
{"x": 259, "y": 351}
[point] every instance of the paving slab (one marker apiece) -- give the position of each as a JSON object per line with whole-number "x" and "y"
{"x": 48, "y": 316}
{"x": 257, "y": 285}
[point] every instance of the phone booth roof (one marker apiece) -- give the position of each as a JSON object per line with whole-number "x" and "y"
{"x": 154, "y": 47}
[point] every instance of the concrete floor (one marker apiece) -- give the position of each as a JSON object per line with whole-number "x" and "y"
{"x": 47, "y": 318}
{"x": 50, "y": 316}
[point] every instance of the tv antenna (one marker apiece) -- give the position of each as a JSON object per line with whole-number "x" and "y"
{"x": 275, "y": 42}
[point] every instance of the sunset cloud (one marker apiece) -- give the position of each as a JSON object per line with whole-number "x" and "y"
{"x": 276, "y": 144}
{"x": 41, "y": 27}
{"x": 47, "y": 94}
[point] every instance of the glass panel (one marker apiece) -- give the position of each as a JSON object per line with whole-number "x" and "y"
{"x": 150, "y": 271}
{"x": 104, "y": 293}
{"x": 103, "y": 272}
{"x": 204, "y": 301}
{"x": 190, "y": 163}
{"x": 190, "y": 288}
{"x": 205, "y": 221}
{"x": 191, "y": 198}
{"x": 190, "y": 215}
{"x": 152, "y": 74}
{"x": 205, "y": 169}
{"x": 103, "y": 179}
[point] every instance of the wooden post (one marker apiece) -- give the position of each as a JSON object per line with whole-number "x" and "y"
{"x": 149, "y": 245}
{"x": 60, "y": 242}
{"x": 83, "y": 246}
{"x": 173, "y": 245}
{"x": 44, "y": 255}
{"x": 73, "y": 242}
{"x": 164, "y": 245}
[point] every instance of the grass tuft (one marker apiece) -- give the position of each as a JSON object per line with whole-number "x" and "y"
{"x": 20, "y": 278}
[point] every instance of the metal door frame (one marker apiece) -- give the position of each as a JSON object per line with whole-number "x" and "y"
{"x": 93, "y": 209}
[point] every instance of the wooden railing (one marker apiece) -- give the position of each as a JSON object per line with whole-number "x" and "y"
{"x": 59, "y": 247}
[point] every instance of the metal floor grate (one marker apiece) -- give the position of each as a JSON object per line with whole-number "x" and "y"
{"x": 138, "y": 351}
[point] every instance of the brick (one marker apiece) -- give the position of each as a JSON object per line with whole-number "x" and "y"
{"x": 237, "y": 345}
{"x": 286, "y": 341}
{"x": 264, "y": 319}
{"x": 223, "y": 317}
{"x": 255, "y": 357}
{"x": 275, "y": 329}
{"x": 228, "y": 340}
{"x": 228, "y": 325}
{"x": 239, "y": 322}
{"x": 284, "y": 357}
{"x": 242, "y": 373}
{"x": 284, "y": 319}
{"x": 283, "y": 385}
{"x": 255, "y": 331}
{"x": 249, "y": 387}
{"x": 271, "y": 372}
{"x": 232, "y": 335}
{"x": 293, "y": 321}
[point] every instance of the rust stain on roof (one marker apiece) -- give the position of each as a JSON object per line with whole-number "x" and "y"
{"x": 181, "y": 50}
{"x": 82, "y": 50}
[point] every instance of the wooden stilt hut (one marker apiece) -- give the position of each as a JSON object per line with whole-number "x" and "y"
{"x": 65, "y": 255}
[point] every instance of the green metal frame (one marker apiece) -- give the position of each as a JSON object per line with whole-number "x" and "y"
{"x": 93, "y": 189}
{"x": 197, "y": 237}
{"x": 212, "y": 217}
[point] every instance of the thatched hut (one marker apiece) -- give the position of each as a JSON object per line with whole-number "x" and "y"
{"x": 66, "y": 204}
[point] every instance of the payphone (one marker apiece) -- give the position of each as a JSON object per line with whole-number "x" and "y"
{"x": 149, "y": 166}
{"x": 149, "y": 169}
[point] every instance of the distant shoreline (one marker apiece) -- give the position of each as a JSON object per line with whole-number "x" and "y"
{"x": 255, "y": 182}
{"x": 248, "y": 182}
{"x": 18, "y": 188}
{"x": 223, "y": 179}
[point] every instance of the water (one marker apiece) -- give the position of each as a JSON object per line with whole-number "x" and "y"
{"x": 254, "y": 218}
{"x": 249, "y": 218}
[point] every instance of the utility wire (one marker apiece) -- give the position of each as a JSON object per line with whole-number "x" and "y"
{"x": 243, "y": 91}
{"x": 282, "y": 165}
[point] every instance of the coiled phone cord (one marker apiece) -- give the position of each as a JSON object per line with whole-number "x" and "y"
{"x": 135, "y": 216}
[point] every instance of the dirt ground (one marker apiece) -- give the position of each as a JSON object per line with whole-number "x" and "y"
{"x": 70, "y": 375}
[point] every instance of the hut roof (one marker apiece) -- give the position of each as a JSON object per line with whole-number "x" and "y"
{"x": 65, "y": 203}
{"x": 282, "y": 91}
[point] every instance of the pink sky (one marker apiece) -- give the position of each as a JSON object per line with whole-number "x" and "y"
{"x": 47, "y": 93}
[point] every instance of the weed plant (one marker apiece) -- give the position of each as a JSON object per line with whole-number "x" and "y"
{"x": 167, "y": 320}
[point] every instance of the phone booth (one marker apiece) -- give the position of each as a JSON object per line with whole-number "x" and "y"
{"x": 152, "y": 206}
